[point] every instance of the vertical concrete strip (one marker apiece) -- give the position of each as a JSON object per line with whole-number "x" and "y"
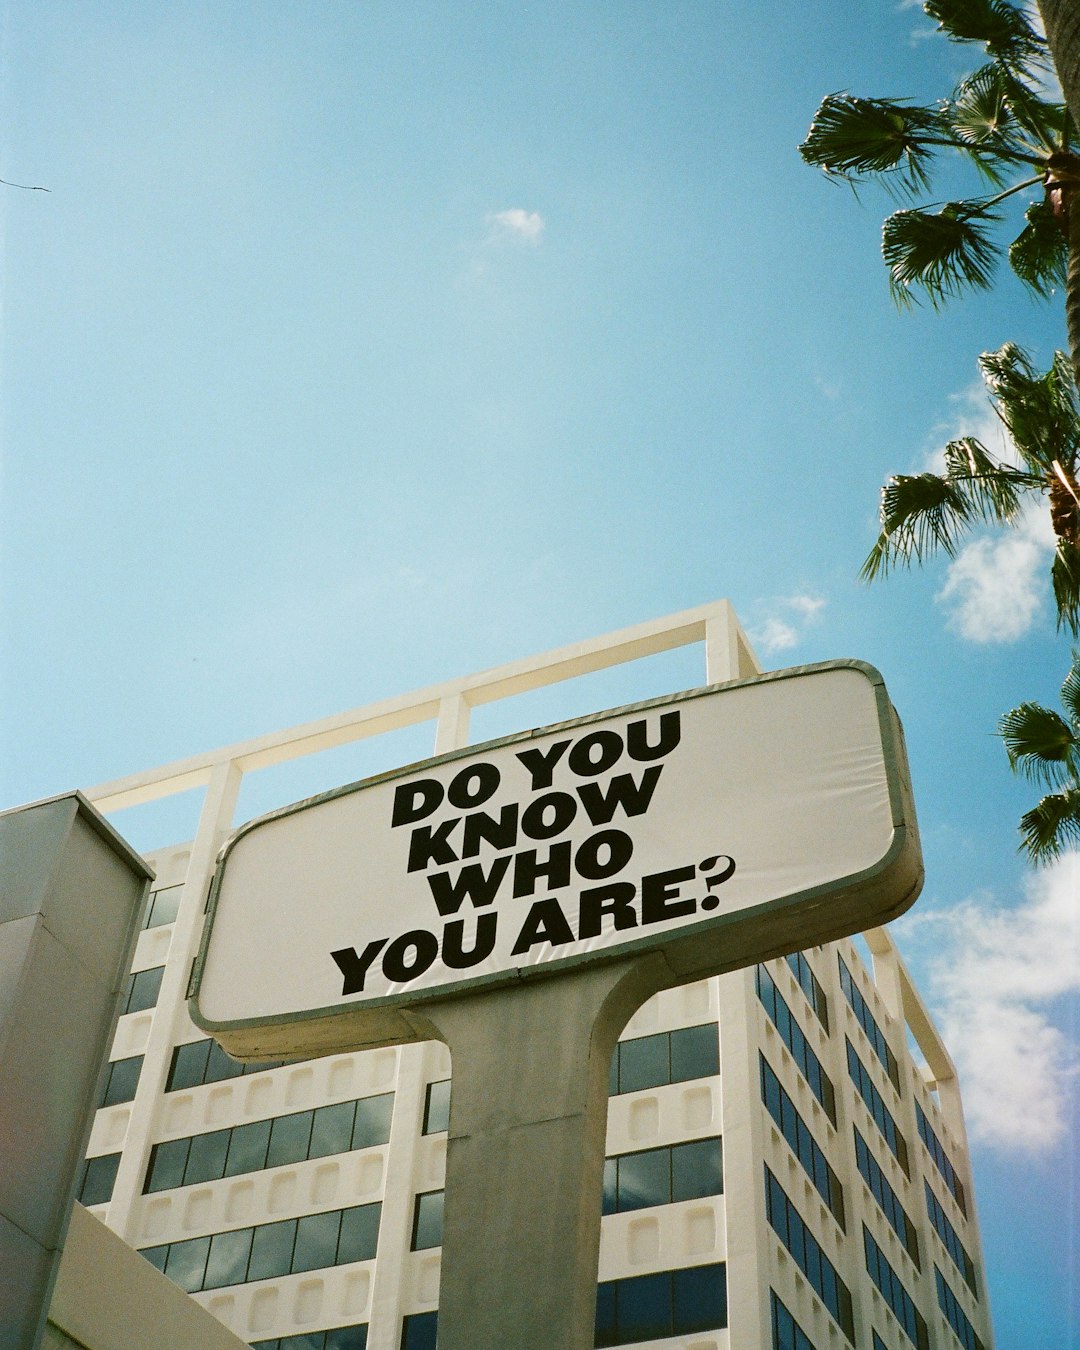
{"x": 71, "y": 897}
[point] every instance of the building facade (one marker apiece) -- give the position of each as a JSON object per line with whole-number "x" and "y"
{"x": 787, "y": 1165}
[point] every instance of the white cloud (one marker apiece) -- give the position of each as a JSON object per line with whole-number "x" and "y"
{"x": 781, "y": 628}
{"x": 995, "y": 972}
{"x": 516, "y": 223}
{"x": 972, "y": 414}
{"x": 995, "y": 586}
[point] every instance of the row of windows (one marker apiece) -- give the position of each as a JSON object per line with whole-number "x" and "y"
{"x": 337, "y": 1338}
{"x": 955, "y": 1315}
{"x": 667, "y": 1057}
{"x": 121, "y": 1080}
{"x": 663, "y": 1176}
{"x": 270, "y": 1250}
{"x": 792, "y": 1034}
{"x": 810, "y": 985}
{"x": 875, "y": 1104}
{"x": 163, "y": 906}
{"x": 892, "y": 1290}
{"x": 270, "y": 1143}
{"x": 808, "y": 1256}
{"x": 669, "y": 1303}
{"x": 951, "y": 1239}
{"x": 940, "y": 1158}
{"x": 868, "y": 1022}
{"x": 805, "y": 1147}
{"x": 98, "y": 1178}
{"x": 142, "y": 990}
{"x": 786, "y": 1332}
{"x": 427, "y": 1229}
{"x": 204, "y": 1061}
{"x": 888, "y": 1200}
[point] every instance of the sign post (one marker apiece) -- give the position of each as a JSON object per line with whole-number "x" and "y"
{"x": 520, "y": 899}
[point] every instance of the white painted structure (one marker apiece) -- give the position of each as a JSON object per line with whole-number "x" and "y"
{"x": 880, "y": 1092}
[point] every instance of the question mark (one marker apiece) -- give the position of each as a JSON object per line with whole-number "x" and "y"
{"x": 717, "y": 878}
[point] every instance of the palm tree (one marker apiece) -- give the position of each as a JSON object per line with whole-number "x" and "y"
{"x": 1000, "y": 121}
{"x": 921, "y": 513}
{"x": 1045, "y": 747}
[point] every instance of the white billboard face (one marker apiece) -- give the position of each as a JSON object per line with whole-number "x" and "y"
{"x": 673, "y": 825}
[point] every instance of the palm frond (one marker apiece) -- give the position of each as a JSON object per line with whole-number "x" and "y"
{"x": 994, "y": 489}
{"x": 1040, "y": 744}
{"x": 851, "y": 137}
{"x": 1070, "y": 692}
{"x": 939, "y": 252}
{"x": 979, "y": 109}
{"x": 1051, "y": 826}
{"x": 1039, "y": 255}
{"x": 1001, "y": 27}
{"x": 1065, "y": 576}
{"x": 920, "y": 513}
{"x": 1040, "y": 411}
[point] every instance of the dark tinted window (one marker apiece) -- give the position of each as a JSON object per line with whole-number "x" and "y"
{"x": 143, "y": 989}
{"x": 373, "y": 1116}
{"x": 331, "y": 1130}
{"x": 271, "y": 1250}
{"x": 186, "y": 1263}
{"x": 99, "y": 1177}
{"x": 418, "y": 1331}
{"x": 428, "y": 1221}
{"x": 122, "y": 1080}
{"x": 247, "y": 1148}
{"x": 228, "y": 1259}
{"x": 188, "y": 1067}
{"x": 437, "y": 1107}
{"x": 289, "y": 1137}
{"x": 167, "y": 1163}
{"x": 206, "y": 1158}
{"x": 359, "y": 1234}
{"x": 695, "y": 1053}
{"x": 316, "y": 1240}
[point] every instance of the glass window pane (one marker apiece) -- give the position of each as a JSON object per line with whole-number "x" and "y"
{"x": 247, "y": 1148}
{"x": 437, "y": 1107}
{"x": 163, "y": 906}
{"x": 331, "y": 1130}
{"x": 644, "y": 1179}
{"x": 644, "y": 1308}
{"x": 347, "y": 1338}
{"x": 186, "y": 1263}
{"x": 188, "y": 1068}
{"x": 605, "y": 1314}
{"x": 308, "y": 1340}
{"x": 418, "y": 1331}
{"x": 122, "y": 1080}
{"x": 166, "y": 1168}
{"x": 316, "y": 1240}
{"x": 611, "y": 1198}
{"x": 700, "y": 1298}
{"x": 695, "y": 1053}
{"x": 359, "y": 1234}
{"x": 155, "y": 1255}
{"x": 643, "y": 1063}
{"x": 373, "y": 1116}
{"x": 428, "y": 1222}
{"x": 220, "y": 1066}
{"x": 228, "y": 1259}
{"x": 272, "y": 1249}
{"x": 99, "y": 1178}
{"x": 206, "y": 1158}
{"x": 145, "y": 987}
{"x": 697, "y": 1169}
{"x": 289, "y": 1136}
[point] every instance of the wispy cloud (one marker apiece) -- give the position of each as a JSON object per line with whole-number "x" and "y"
{"x": 784, "y": 622}
{"x": 995, "y": 975}
{"x": 526, "y": 227}
{"x": 996, "y": 587}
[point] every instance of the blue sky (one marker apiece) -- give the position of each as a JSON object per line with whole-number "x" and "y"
{"x": 360, "y": 345}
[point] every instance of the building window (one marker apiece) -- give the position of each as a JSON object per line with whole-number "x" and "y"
{"x": 270, "y": 1250}
{"x": 951, "y": 1239}
{"x": 875, "y": 1104}
{"x": 163, "y": 906}
{"x": 668, "y": 1057}
{"x": 795, "y": 1040}
{"x": 204, "y": 1061}
{"x": 669, "y": 1303}
{"x": 427, "y": 1221}
{"x": 879, "y": 1344}
{"x": 121, "y": 1080}
{"x": 320, "y": 1133}
{"x": 98, "y": 1179}
{"x": 143, "y": 989}
{"x": 888, "y": 1200}
{"x": 955, "y": 1315}
{"x": 803, "y": 1144}
{"x": 891, "y": 1289}
{"x": 869, "y": 1024}
{"x": 789, "y": 1227}
{"x": 663, "y": 1176}
{"x": 419, "y": 1331}
{"x": 437, "y": 1107}
{"x": 786, "y": 1332}
{"x": 940, "y": 1159}
{"x": 810, "y": 985}
{"x": 337, "y": 1338}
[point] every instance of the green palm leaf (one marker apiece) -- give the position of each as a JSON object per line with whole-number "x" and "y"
{"x": 850, "y": 137}
{"x": 1065, "y": 576}
{"x": 1040, "y": 744}
{"x": 1039, "y": 411}
{"x": 920, "y": 513}
{"x": 994, "y": 489}
{"x": 939, "y": 252}
{"x": 1039, "y": 255}
{"x": 1002, "y": 28}
{"x": 1070, "y": 692}
{"x": 1047, "y": 829}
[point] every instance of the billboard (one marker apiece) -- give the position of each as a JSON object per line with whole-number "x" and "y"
{"x": 716, "y": 826}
